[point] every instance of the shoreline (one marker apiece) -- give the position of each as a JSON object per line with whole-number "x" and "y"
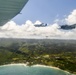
{"x": 37, "y": 65}
{"x": 23, "y": 64}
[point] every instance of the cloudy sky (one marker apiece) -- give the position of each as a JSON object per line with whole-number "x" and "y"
{"x": 45, "y": 10}
{"x": 52, "y": 12}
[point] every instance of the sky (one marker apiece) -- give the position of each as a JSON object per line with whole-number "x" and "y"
{"x": 45, "y": 11}
{"x": 52, "y": 12}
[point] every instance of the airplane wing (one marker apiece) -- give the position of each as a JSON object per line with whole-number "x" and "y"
{"x": 9, "y": 9}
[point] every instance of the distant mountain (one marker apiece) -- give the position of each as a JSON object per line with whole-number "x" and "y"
{"x": 40, "y": 25}
{"x": 64, "y": 27}
{"x": 67, "y": 27}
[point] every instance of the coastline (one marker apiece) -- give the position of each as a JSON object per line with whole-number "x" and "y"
{"x": 21, "y": 64}
{"x": 37, "y": 65}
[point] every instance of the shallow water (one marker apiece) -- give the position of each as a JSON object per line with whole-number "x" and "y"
{"x": 34, "y": 70}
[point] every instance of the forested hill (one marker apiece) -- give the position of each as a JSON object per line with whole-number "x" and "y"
{"x": 49, "y": 44}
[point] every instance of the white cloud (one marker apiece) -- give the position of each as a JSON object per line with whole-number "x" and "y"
{"x": 56, "y": 20}
{"x": 28, "y": 30}
{"x": 38, "y": 22}
{"x": 71, "y": 19}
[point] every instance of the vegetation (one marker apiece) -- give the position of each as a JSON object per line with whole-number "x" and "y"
{"x": 58, "y": 53}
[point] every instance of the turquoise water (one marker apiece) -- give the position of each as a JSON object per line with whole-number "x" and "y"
{"x": 25, "y": 70}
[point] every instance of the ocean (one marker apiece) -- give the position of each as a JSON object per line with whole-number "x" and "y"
{"x": 30, "y": 70}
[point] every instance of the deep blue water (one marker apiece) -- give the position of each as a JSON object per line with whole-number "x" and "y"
{"x": 25, "y": 70}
